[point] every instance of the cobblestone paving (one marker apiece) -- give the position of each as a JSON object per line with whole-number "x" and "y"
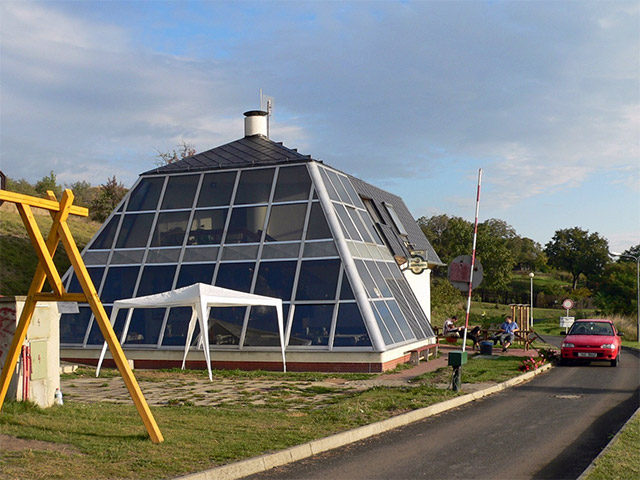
{"x": 167, "y": 388}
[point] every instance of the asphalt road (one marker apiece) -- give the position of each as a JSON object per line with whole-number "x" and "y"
{"x": 549, "y": 428}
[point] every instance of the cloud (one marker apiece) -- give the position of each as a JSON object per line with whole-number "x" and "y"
{"x": 543, "y": 95}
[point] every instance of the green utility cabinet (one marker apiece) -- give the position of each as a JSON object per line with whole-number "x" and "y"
{"x": 457, "y": 358}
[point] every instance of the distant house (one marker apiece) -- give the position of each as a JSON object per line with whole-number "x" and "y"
{"x": 258, "y": 217}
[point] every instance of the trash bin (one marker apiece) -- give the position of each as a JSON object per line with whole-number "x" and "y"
{"x": 486, "y": 348}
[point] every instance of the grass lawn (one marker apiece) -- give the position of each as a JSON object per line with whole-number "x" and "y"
{"x": 106, "y": 440}
{"x": 622, "y": 460}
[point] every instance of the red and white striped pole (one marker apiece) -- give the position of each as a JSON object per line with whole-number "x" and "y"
{"x": 473, "y": 262}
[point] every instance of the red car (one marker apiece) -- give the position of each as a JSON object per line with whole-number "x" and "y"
{"x": 592, "y": 339}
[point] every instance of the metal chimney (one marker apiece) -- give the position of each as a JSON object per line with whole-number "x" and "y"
{"x": 255, "y": 123}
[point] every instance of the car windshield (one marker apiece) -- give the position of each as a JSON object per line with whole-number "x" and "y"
{"x": 591, "y": 328}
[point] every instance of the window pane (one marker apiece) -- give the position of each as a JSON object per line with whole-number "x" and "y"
{"x": 350, "y": 328}
{"x": 400, "y": 320}
{"x": 275, "y": 279}
{"x": 240, "y": 252}
{"x": 105, "y": 239}
{"x": 396, "y": 219}
{"x": 318, "y": 280}
{"x": 200, "y": 254}
{"x": 318, "y": 227}
{"x": 236, "y": 276}
{"x": 216, "y": 189}
{"x": 135, "y": 230}
{"x": 346, "y": 221}
{"x": 146, "y": 195}
{"x": 246, "y": 225}
{"x": 281, "y": 250}
{"x": 320, "y": 249}
{"x": 366, "y": 279}
{"x": 163, "y": 255}
{"x": 207, "y": 227}
{"x": 330, "y": 190}
{"x": 170, "y": 229}
{"x": 254, "y": 186}
{"x": 388, "y": 321}
{"x": 366, "y": 219}
{"x": 383, "y": 289}
{"x": 190, "y": 274}
{"x": 293, "y": 184}
{"x": 311, "y": 325}
{"x": 180, "y": 192}
{"x": 175, "y": 333}
{"x": 73, "y": 326}
{"x": 345, "y": 291}
{"x": 156, "y": 279}
{"x": 262, "y": 329}
{"x": 286, "y": 222}
{"x": 145, "y": 326}
{"x": 95, "y": 273}
{"x": 381, "y": 326}
{"x": 95, "y": 335}
{"x": 119, "y": 283}
{"x": 225, "y": 325}
{"x": 353, "y": 214}
{"x": 355, "y": 198}
{"x": 342, "y": 193}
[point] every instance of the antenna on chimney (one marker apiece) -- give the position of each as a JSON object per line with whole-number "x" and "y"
{"x": 266, "y": 105}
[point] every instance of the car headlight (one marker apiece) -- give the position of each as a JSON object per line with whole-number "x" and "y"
{"x": 609, "y": 345}
{"x": 567, "y": 345}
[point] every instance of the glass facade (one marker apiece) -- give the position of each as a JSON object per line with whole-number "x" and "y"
{"x": 262, "y": 230}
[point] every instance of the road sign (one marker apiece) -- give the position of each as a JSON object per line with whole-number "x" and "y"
{"x": 568, "y": 304}
{"x": 566, "y": 322}
{"x": 459, "y": 272}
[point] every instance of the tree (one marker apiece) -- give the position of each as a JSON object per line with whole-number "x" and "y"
{"x": 21, "y": 186}
{"x": 84, "y": 194}
{"x": 184, "y": 150}
{"x": 528, "y": 254}
{"x": 578, "y": 252}
{"x": 493, "y": 251}
{"x": 48, "y": 182}
{"x": 449, "y": 236}
{"x": 617, "y": 291}
{"x": 111, "y": 193}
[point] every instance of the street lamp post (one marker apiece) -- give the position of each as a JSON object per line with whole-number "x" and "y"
{"x": 531, "y": 275}
{"x": 637, "y": 259}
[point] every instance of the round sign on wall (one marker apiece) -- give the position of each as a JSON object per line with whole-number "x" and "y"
{"x": 567, "y": 304}
{"x": 459, "y": 273}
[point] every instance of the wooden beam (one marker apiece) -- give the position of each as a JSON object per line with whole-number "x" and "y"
{"x": 44, "y": 250}
{"x": 65, "y": 297}
{"x": 107, "y": 331}
{"x": 51, "y": 205}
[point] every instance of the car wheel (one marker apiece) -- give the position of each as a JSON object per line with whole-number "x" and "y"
{"x": 614, "y": 363}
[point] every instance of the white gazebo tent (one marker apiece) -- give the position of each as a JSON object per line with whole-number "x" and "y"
{"x": 201, "y": 298}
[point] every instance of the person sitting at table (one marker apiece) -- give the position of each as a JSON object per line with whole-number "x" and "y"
{"x": 449, "y": 329}
{"x": 507, "y": 329}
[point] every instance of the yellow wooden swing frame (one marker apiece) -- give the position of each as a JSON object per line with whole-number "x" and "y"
{"x": 46, "y": 270}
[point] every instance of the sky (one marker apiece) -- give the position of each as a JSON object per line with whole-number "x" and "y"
{"x": 414, "y": 97}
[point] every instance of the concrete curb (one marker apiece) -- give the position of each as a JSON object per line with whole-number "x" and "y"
{"x": 265, "y": 462}
{"x": 588, "y": 470}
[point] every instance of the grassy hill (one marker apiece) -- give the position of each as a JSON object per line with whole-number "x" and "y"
{"x": 18, "y": 258}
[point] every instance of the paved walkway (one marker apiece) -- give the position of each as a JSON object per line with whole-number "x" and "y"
{"x": 164, "y": 388}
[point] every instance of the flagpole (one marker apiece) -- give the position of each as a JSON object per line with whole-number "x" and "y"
{"x": 473, "y": 261}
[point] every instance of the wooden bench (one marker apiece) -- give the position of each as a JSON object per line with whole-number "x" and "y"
{"x": 526, "y": 338}
{"x": 422, "y": 352}
{"x": 521, "y": 337}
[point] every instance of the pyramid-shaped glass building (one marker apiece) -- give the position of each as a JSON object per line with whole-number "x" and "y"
{"x": 258, "y": 217}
